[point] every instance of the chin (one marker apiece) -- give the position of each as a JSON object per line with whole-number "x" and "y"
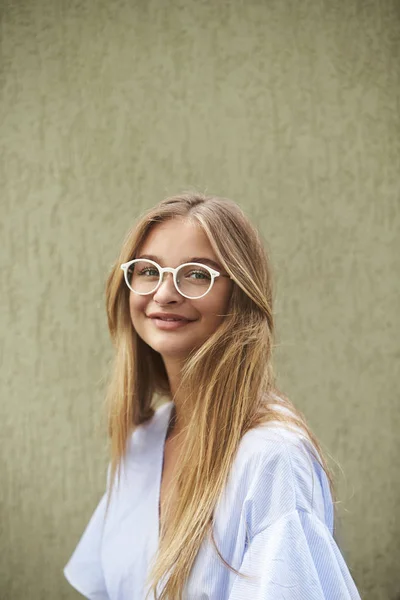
{"x": 171, "y": 351}
{"x": 168, "y": 348}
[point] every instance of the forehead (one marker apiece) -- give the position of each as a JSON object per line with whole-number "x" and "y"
{"x": 176, "y": 239}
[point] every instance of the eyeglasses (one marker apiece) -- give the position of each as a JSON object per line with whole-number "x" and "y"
{"x": 192, "y": 280}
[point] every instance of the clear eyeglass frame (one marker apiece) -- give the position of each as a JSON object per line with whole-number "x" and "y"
{"x": 162, "y": 270}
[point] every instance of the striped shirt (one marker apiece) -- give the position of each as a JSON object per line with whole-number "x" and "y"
{"x": 274, "y": 522}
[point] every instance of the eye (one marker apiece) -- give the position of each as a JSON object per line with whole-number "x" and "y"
{"x": 198, "y": 274}
{"x": 149, "y": 272}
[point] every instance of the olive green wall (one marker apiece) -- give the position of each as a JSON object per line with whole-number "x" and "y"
{"x": 290, "y": 108}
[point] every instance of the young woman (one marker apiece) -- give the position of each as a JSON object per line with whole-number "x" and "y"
{"x": 221, "y": 492}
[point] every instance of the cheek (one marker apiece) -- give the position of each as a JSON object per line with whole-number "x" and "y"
{"x": 221, "y": 304}
{"x": 137, "y": 306}
{"x": 214, "y": 313}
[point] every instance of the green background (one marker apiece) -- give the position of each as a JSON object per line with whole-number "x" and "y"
{"x": 291, "y": 108}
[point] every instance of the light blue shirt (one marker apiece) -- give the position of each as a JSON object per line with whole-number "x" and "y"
{"x": 274, "y": 521}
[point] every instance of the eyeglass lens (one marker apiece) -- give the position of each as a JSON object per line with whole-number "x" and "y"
{"x": 192, "y": 280}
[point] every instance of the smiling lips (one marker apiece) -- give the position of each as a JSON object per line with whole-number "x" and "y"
{"x": 168, "y": 317}
{"x": 169, "y": 322}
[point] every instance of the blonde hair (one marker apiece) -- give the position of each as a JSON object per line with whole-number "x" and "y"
{"x": 230, "y": 378}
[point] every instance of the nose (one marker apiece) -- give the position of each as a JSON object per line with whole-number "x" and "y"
{"x": 167, "y": 291}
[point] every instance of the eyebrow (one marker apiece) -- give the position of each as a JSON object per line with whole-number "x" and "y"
{"x": 198, "y": 259}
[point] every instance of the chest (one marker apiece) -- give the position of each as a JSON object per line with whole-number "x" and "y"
{"x": 138, "y": 509}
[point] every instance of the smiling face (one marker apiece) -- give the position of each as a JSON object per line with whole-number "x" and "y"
{"x": 171, "y": 244}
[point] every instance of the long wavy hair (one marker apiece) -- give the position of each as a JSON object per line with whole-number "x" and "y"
{"x": 229, "y": 381}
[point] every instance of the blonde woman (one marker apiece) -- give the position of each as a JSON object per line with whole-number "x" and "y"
{"x": 222, "y": 491}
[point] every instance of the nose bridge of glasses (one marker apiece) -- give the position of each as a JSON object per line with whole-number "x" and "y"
{"x": 167, "y": 270}
{"x": 163, "y": 280}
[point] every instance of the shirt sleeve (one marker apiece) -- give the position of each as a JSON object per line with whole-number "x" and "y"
{"x": 291, "y": 552}
{"x": 84, "y": 569}
{"x": 296, "y": 558}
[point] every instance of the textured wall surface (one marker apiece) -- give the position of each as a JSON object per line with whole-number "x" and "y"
{"x": 290, "y": 108}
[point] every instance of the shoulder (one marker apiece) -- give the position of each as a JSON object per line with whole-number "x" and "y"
{"x": 142, "y": 457}
{"x": 277, "y": 471}
{"x": 144, "y": 447}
